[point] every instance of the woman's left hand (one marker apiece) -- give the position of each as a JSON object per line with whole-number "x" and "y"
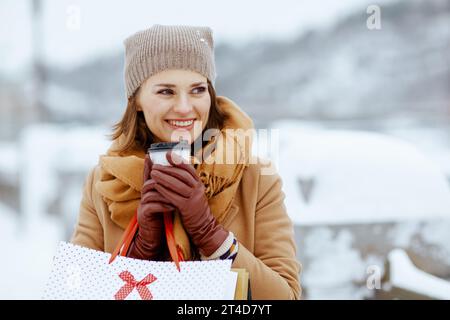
{"x": 180, "y": 185}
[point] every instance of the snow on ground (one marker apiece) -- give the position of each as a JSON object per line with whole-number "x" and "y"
{"x": 31, "y": 237}
{"x": 337, "y": 259}
{"x": 406, "y": 276}
{"x": 362, "y": 181}
{"x": 435, "y": 142}
{"x": 434, "y": 233}
{"x": 359, "y": 177}
{"x": 333, "y": 267}
{"x": 27, "y": 257}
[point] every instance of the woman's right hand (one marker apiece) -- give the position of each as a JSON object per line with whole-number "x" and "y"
{"x": 147, "y": 243}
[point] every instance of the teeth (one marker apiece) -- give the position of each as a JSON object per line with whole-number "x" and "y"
{"x": 181, "y": 123}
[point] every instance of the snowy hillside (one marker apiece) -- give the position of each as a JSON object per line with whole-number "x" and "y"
{"x": 337, "y": 176}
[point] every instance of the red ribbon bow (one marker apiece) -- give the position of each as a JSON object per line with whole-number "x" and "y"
{"x": 131, "y": 283}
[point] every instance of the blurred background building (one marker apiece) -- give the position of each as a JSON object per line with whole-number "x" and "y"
{"x": 357, "y": 91}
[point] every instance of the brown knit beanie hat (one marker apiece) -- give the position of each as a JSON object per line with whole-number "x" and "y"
{"x": 161, "y": 47}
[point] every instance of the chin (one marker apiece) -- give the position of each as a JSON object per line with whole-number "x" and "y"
{"x": 177, "y": 135}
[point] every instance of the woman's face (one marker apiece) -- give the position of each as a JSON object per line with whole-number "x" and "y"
{"x": 175, "y": 104}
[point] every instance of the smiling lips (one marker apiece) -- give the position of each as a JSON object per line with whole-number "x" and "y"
{"x": 181, "y": 124}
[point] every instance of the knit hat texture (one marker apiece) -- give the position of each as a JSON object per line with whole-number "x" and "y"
{"x": 162, "y": 47}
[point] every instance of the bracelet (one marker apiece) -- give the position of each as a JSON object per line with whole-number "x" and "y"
{"x": 228, "y": 249}
{"x": 232, "y": 251}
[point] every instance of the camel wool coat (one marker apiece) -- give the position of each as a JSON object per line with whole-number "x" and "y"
{"x": 258, "y": 219}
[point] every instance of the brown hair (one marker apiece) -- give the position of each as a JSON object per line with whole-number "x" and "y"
{"x": 138, "y": 135}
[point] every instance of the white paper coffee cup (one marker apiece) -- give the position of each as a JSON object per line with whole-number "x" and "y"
{"x": 158, "y": 151}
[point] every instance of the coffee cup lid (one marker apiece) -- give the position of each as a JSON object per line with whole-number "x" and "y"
{"x": 182, "y": 144}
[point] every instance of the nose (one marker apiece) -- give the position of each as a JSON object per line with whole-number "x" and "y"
{"x": 183, "y": 104}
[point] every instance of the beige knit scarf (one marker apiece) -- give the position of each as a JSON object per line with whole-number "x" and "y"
{"x": 122, "y": 176}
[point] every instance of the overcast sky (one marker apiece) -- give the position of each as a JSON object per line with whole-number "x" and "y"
{"x": 104, "y": 24}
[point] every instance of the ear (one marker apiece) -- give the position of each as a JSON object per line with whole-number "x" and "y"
{"x": 138, "y": 105}
{"x": 137, "y": 99}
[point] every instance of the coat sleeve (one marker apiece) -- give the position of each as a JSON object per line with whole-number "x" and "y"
{"x": 273, "y": 267}
{"x": 88, "y": 230}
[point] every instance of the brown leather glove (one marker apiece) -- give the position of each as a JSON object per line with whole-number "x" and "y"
{"x": 180, "y": 184}
{"x": 147, "y": 244}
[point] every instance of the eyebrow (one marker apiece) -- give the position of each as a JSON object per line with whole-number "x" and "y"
{"x": 169, "y": 85}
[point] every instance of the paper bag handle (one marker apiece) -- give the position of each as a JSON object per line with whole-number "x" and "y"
{"x": 130, "y": 231}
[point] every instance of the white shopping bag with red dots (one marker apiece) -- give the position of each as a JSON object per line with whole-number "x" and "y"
{"x": 82, "y": 273}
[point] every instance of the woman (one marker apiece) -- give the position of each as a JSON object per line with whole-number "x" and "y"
{"x": 225, "y": 210}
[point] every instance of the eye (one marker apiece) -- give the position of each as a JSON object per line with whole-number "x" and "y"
{"x": 201, "y": 90}
{"x": 165, "y": 92}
